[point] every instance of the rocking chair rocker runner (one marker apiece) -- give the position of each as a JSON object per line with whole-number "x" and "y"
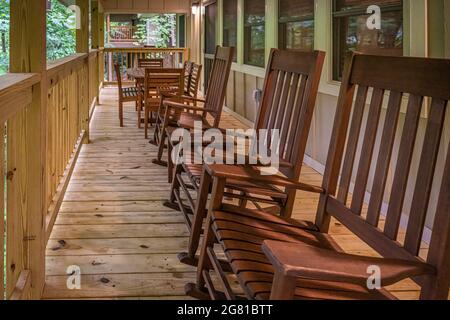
{"x": 276, "y": 258}
{"x": 290, "y": 92}
{"x": 183, "y": 111}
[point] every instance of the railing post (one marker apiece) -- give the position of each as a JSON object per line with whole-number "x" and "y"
{"x": 82, "y": 46}
{"x": 95, "y": 31}
{"x": 101, "y": 44}
{"x": 28, "y": 55}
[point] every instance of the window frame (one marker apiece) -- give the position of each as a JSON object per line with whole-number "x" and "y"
{"x": 247, "y": 38}
{"x": 236, "y": 27}
{"x": 282, "y": 24}
{"x": 336, "y": 31}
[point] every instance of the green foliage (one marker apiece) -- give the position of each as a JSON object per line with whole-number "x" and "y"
{"x": 4, "y": 36}
{"x": 163, "y": 26}
{"x": 60, "y": 31}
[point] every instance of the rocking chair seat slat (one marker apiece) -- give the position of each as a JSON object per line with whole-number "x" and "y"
{"x": 194, "y": 172}
{"x": 241, "y": 237}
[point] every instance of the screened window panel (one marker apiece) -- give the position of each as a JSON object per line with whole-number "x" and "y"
{"x": 254, "y": 32}
{"x": 296, "y": 24}
{"x": 352, "y": 34}
{"x": 230, "y": 25}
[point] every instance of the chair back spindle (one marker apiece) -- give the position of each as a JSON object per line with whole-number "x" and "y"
{"x": 151, "y": 63}
{"x": 218, "y": 80}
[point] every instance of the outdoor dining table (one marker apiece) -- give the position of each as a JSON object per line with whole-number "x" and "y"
{"x": 139, "y": 74}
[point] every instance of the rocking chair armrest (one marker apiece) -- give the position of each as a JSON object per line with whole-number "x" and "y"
{"x": 249, "y": 173}
{"x": 185, "y": 98}
{"x": 289, "y": 261}
{"x": 180, "y": 106}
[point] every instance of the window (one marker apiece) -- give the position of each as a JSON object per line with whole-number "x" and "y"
{"x": 230, "y": 25}
{"x": 210, "y": 28}
{"x": 296, "y": 24}
{"x": 351, "y": 32}
{"x": 254, "y": 32}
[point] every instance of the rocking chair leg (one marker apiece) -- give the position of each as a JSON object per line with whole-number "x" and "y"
{"x": 161, "y": 144}
{"x": 199, "y": 215}
{"x": 121, "y": 113}
{"x": 174, "y": 188}
{"x": 146, "y": 122}
{"x": 243, "y": 202}
{"x": 139, "y": 113}
{"x": 170, "y": 164}
{"x": 204, "y": 264}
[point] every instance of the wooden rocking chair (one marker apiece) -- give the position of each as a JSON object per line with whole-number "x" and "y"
{"x": 183, "y": 111}
{"x": 155, "y": 80}
{"x": 290, "y": 92}
{"x": 192, "y": 73}
{"x": 277, "y": 258}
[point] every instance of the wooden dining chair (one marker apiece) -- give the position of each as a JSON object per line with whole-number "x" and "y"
{"x": 290, "y": 91}
{"x": 154, "y": 81}
{"x": 192, "y": 73}
{"x": 278, "y": 258}
{"x": 184, "y": 112}
{"x": 151, "y": 63}
{"x": 126, "y": 94}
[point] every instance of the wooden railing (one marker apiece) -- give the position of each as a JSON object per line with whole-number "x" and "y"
{"x": 128, "y": 58}
{"x": 38, "y": 154}
{"x": 121, "y": 33}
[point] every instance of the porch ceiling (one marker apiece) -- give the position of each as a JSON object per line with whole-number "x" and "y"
{"x": 143, "y": 6}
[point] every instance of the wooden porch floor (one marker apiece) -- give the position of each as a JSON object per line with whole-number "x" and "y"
{"x": 113, "y": 226}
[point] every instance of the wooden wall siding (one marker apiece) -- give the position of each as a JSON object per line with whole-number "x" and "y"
{"x": 144, "y": 6}
{"x": 239, "y": 97}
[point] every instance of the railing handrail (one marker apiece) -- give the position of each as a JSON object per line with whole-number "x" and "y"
{"x": 145, "y": 49}
{"x": 62, "y": 62}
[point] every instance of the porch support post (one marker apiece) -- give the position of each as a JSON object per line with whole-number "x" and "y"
{"x": 101, "y": 43}
{"x": 28, "y": 55}
{"x": 82, "y": 46}
{"x": 271, "y": 26}
{"x": 240, "y": 32}
{"x": 447, "y": 28}
{"x": 95, "y": 24}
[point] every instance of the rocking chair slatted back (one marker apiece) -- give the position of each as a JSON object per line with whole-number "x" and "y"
{"x": 151, "y": 63}
{"x": 292, "y": 81}
{"x": 194, "y": 80}
{"x": 187, "y": 75}
{"x": 380, "y": 157}
{"x": 215, "y": 94}
{"x": 154, "y": 79}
